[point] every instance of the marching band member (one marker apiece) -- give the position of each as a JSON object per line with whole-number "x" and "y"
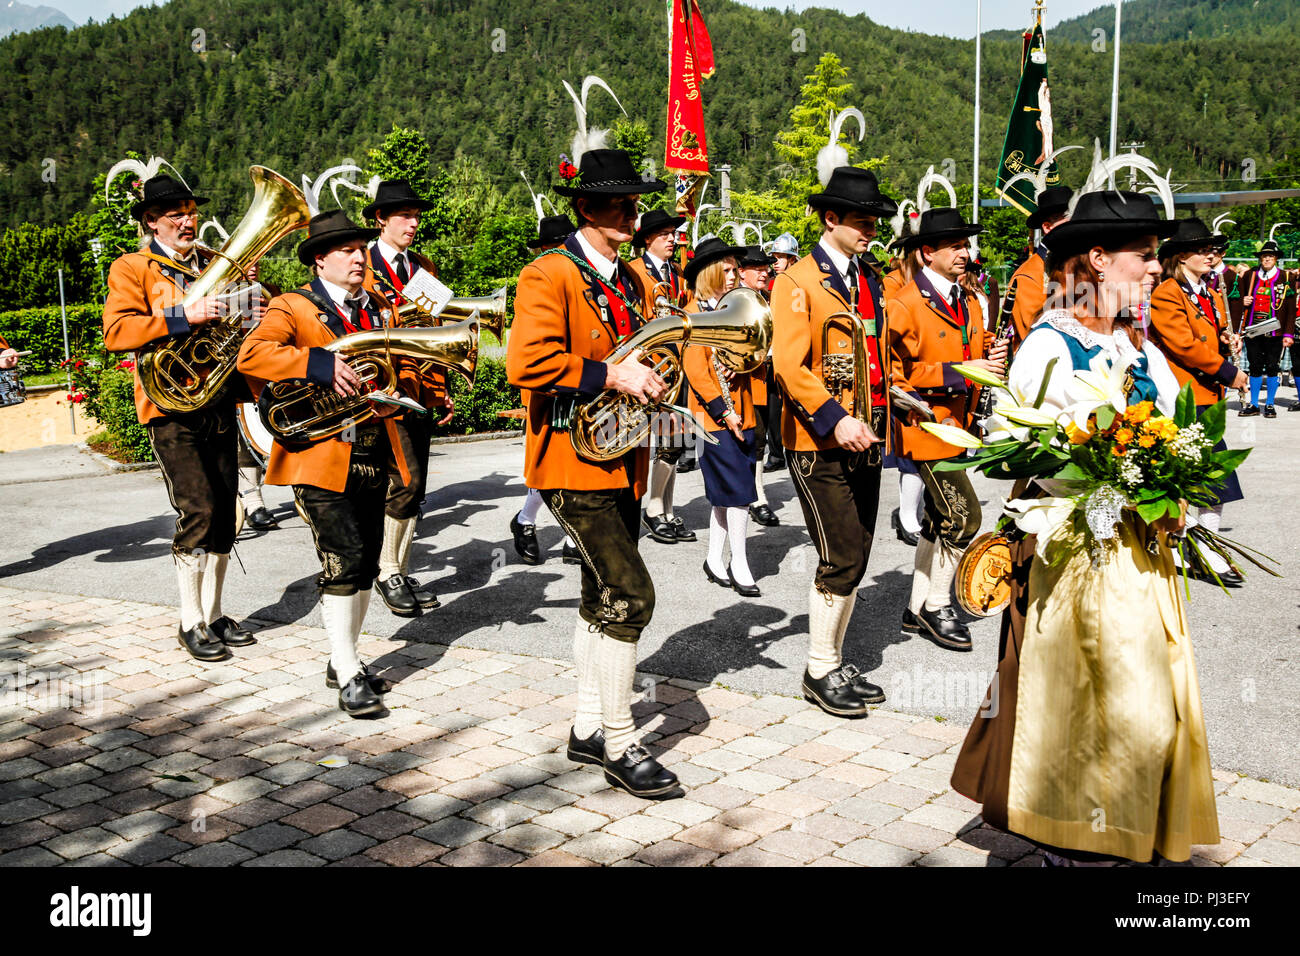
{"x": 551, "y": 232}
{"x": 1030, "y": 280}
{"x": 754, "y": 272}
{"x": 933, "y": 325}
{"x": 784, "y": 250}
{"x": 833, "y": 455}
{"x": 341, "y": 482}
{"x": 657, "y": 234}
{"x": 250, "y": 469}
{"x": 196, "y": 451}
{"x": 572, "y": 307}
{"x": 724, "y": 401}
{"x": 396, "y": 210}
{"x": 1266, "y": 295}
{"x": 1190, "y": 324}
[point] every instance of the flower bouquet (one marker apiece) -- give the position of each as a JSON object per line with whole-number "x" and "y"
{"x": 1098, "y": 455}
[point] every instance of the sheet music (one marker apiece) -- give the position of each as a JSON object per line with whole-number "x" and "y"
{"x": 428, "y": 294}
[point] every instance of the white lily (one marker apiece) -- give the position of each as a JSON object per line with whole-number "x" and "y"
{"x": 1027, "y": 415}
{"x": 1013, "y": 409}
{"x": 953, "y": 435}
{"x": 979, "y": 376}
{"x": 1101, "y": 385}
{"x": 1043, "y": 517}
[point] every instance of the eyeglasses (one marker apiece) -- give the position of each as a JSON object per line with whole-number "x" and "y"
{"x": 180, "y": 217}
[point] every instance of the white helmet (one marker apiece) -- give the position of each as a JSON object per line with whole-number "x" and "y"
{"x": 784, "y": 244}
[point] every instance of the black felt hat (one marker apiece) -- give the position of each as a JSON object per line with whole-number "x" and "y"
{"x": 1192, "y": 234}
{"x": 608, "y": 172}
{"x": 1053, "y": 203}
{"x": 938, "y": 225}
{"x": 163, "y": 191}
{"x": 656, "y": 220}
{"x": 1108, "y": 218}
{"x": 853, "y": 188}
{"x": 754, "y": 256}
{"x": 1270, "y": 248}
{"x": 329, "y": 230}
{"x": 392, "y": 193}
{"x": 708, "y": 252}
{"x": 552, "y": 229}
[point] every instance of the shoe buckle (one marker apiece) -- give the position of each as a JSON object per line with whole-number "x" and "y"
{"x": 836, "y": 678}
{"x": 850, "y": 672}
{"x": 636, "y": 753}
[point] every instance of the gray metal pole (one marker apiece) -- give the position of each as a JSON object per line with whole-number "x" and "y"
{"x": 67, "y": 353}
{"x": 1114, "y": 92}
{"x": 979, "y": 36}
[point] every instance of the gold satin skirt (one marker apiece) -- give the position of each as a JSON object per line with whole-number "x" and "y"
{"x": 1110, "y": 754}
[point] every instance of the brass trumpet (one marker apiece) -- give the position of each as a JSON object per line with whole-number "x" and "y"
{"x": 182, "y": 375}
{"x": 848, "y": 371}
{"x": 298, "y": 412}
{"x": 740, "y": 328}
{"x": 490, "y": 310}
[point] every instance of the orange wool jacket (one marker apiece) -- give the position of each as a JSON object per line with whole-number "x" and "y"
{"x": 804, "y": 297}
{"x": 1031, "y": 295}
{"x": 1190, "y": 340}
{"x": 557, "y": 346}
{"x": 429, "y": 390}
{"x": 143, "y": 306}
{"x": 289, "y": 344}
{"x": 924, "y": 344}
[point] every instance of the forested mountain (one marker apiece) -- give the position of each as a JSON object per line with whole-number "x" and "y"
{"x": 1160, "y": 21}
{"x": 298, "y": 85}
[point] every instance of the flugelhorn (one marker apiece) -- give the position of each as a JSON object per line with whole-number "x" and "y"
{"x": 184, "y": 374}
{"x": 298, "y": 412}
{"x": 612, "y": 423}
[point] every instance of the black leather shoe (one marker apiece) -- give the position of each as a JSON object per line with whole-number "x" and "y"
{"x": 639, "y": 773}
{"x": 396, "y": 593}
{"x": 358, "y": 698}
{"x": 231, "y": 634}
{"x": 380, "y": 685}
{"x": 869, "y": 692}
{"x": 202, "y": 644}
{"x": 744, "y": 590}
{"x": 714, "y": 578}
{"x": 1294, "y": 408}
{"x": 660, "y": 528}
{"x": 903, "y": 534}
{"x": 680, "y": 531}
{"x": 571, "y": 554}
{"x": 685, "y": 464}
{"x": 1270, "y": 411}
{"x": 262, "y": 520}
{"x": 1248, "y": 411}
{"x": 525, "y": 541}
{"x": 773, "y": 463}
{"x": 911, "y": 626}
{"x": 591, "y": 750}
{"x": 944, "y": 628}
{"x": 834, "y": 694}
{"x": 764, "y": 515}
{"x": 423, "y": 596}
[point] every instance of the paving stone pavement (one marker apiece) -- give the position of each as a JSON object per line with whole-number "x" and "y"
{"x": 117, "y": 749}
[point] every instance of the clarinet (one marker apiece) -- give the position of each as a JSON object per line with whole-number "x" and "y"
{"x": 1002, "y": 331}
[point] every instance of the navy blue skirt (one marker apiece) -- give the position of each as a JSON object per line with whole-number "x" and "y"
{"x": 1230, "y": 490}
{"x": 728, "y": 469}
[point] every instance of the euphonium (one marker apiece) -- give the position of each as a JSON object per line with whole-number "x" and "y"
{"x": 298, "y": 412}
{"x": 489, "y": 309}
{"x": 739, "y": 329}
{"x": 182, "y": 375}
{"x": 848, "y": 371}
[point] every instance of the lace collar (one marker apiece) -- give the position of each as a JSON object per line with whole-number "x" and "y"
{"x": 1117, "y": 343}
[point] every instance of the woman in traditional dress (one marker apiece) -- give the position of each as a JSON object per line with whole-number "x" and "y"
{"x": 1091, "y": 742}
{"x": 724, "y": 403}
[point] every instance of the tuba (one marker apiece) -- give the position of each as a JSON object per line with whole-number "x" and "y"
{"x": 298, "y": 412}
{"x": 739, "y": 329}
{"x": 848, "y": 371}
{"x": 183, "y": 375}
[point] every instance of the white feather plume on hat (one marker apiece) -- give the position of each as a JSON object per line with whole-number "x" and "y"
{"x": 145, "y": 170}
{"x": 333, "y": 177}
{"x": 831, "y": 156}
{"x": 537, "y": 200}
{"x": 1104, "y": 170}
{"x": 1038, "y": 178}
{"x": 585, "y": 139}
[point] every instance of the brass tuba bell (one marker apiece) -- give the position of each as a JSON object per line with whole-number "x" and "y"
{"x": 184, "y": 374}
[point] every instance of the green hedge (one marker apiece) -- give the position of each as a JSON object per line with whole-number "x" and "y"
{"x": 476, "y": 411}
{"x": 41, "y": 331}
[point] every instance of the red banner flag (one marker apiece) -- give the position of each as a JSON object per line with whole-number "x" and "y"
{"x": 690, "y": 59}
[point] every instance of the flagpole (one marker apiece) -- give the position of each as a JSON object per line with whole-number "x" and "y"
{"x": 1114, "y": 92}
{"x": 979, "y": 22}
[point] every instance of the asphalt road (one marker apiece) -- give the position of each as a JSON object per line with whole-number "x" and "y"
{"x": 108, "y": 535}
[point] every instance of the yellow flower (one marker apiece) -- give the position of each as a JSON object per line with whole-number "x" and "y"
{"x": 1076, "y": 434}
{"x": 1138, "y": 413}
{"x": 1119, "y": 451}
{"x": 1124, "y": 436}
{"x": 1146, "y": 440}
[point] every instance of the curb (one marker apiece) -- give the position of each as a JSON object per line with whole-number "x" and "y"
{"x": 115, "y": 466}
{"x": 480, "y": 436}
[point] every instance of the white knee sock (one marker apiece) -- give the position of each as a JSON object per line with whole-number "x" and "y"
{"x": 669, "y": 487}
{"x": 338, "y": 611}
{"x": 921, "y": 562}
{"x": 408, "y": 538}
{"x": 943, "y": 568}
{"x": 826, "y": 612}
{"x": 737, "y": 530}
{"x": 390, "y": 553}
{"x": 214, "y": 579}
{"x": 717, "y": 541}
{"x": 359, "y": 610}
{"x": 1210, "y": 519}
{"x": 532, "y": 505}
{"x": 911, "y": 489}
{"x": 617, "y": 671}
{"x": 758, "y": 485}
{"x": 250, "y": 487}
{"x": 189, "y": 576}
{"x": 586, "y": 657}
{"x": 657, "y": 485}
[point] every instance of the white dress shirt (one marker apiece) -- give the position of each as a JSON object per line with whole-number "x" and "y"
{"x": 390, "y": 256}
{"x": 605, "y": 267}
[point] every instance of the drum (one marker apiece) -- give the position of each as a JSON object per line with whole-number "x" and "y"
{"x": 256, "y": 436}
{"x": 12, "y": 390}
{"x": 984, "y": 575}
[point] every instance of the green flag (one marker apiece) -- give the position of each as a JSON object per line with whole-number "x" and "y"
{"x": 1029, "y": 131}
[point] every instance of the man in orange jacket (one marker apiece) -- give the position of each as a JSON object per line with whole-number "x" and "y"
{"x": 573, "y": 306}
{"x": 1030, "y": 280}
{"x": 340, "y": 482}
{"x": 196, "y": 451}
